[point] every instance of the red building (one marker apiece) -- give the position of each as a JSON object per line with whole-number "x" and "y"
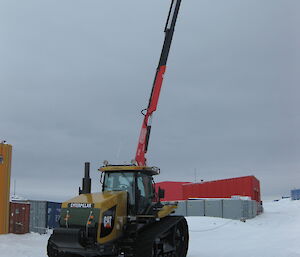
{"x": 225, "y": 188}
{"x": 173, "y": 190}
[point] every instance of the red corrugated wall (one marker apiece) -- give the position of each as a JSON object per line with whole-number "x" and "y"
{"x": 225, "y": 188}
{"x": 173, "y": 190}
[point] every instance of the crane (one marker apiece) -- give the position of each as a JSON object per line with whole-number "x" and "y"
{"x": 144, "y": 137}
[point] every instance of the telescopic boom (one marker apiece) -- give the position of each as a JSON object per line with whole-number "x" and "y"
{"x": 153, "y": 101}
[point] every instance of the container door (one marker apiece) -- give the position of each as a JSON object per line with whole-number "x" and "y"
{"x": 53, "y": 214}
{"x": 19, "y": 218}
{"x": 38, "y": 216}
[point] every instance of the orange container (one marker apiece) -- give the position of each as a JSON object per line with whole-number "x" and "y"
{"x": 5, "y": 170}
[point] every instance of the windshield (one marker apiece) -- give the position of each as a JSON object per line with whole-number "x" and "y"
{"x": 138, "y": 186}
{"x": 120, "y": 181}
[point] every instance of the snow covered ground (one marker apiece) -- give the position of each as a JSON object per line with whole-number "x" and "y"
{"x": 275, "y": 233}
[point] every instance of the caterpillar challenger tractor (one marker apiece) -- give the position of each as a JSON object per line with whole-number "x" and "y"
{"x": 127, "y": 218}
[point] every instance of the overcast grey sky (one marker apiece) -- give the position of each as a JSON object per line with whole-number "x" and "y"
{"x": 74, "y": 76}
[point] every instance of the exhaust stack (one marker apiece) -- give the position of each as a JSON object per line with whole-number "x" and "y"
{"x": 86, "y": 181}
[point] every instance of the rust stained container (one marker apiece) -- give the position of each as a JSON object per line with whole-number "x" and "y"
{"x": 173, "y": 190}
{"x": 225, "y": 188}
{"x": 19, "y": 218}
{"x": 5, "y": 171}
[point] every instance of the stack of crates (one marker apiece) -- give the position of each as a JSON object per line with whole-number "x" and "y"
{"x": 237, "y": 209}
{"x": 41, "y": 216}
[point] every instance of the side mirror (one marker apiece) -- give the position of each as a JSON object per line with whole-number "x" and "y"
{"x": 161, "y": 193}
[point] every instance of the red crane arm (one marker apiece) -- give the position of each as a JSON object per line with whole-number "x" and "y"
{"x": 142, "y": 147}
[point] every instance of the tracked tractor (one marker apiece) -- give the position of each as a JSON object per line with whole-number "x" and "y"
{"x": 123, "y": 220}
{"x": 127, "y": 218}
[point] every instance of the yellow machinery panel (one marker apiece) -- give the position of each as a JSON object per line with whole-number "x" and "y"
{"x": 5, "y": 170}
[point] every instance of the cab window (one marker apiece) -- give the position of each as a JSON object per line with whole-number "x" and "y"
{"x": 120, "y": 181}
{"x": 145, "y": 192}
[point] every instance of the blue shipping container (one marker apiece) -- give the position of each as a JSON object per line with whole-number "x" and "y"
{"x": 295, "y": 194}
{"x": 53, "y": 214}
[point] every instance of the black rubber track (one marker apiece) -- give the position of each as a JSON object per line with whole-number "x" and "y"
{"x": 143, "y": 246}
{"x": 181, "y": 238}
{"x": 51, "y": 252}
{"x": 146, "y": 240}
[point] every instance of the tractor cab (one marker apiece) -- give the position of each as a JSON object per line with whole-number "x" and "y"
{"x": 137, "y": 181}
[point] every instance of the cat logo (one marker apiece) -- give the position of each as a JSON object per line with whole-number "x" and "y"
{"x": 107, "y": 221}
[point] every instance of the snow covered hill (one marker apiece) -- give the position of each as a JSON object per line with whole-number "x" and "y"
{"x": 275, "y": 233}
